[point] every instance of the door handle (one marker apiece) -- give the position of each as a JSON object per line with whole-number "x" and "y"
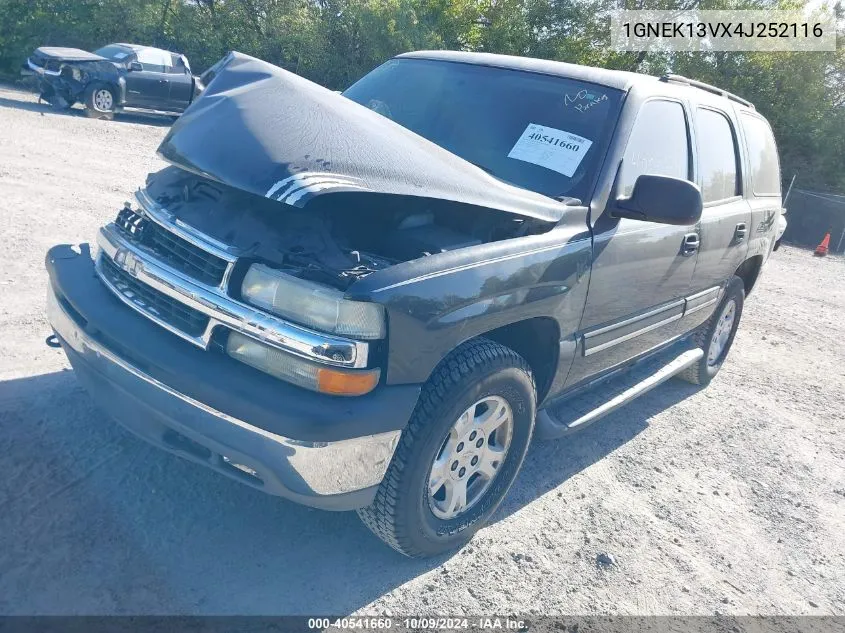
{"x": 741, "y": 232}
{"x": 690, "y": 245}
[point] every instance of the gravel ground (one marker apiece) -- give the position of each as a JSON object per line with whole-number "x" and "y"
{"x": 728, "y": 500}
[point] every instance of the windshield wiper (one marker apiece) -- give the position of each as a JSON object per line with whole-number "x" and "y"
{"x": 569, "y": 201}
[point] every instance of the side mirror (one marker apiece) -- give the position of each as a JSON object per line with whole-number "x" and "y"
{"x": 661, "y": 199}
{"x": 133, "y": 66}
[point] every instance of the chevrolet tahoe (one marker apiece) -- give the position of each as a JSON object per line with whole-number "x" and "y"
{"x": 373, "y": 300}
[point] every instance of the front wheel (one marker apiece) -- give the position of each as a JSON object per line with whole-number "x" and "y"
{"x": 716, "y": 336}
{"x": 459, "y": 454}
{"x": 100, "y": 102}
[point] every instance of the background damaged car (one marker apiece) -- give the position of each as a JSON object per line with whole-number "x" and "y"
{"x": 114, "y": 78}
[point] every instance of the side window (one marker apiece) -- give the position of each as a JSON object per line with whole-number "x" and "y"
{"x": 717, "y": 158}
{"x": 154, "y": 60}
{"x": 177, "y": 67}
{"x": 659, "y": 145}
{"x": 763, "y": 156}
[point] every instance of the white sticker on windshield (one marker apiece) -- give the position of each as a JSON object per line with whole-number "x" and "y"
{"x": 550, "y": 148}
{"x": 120, "y": 55}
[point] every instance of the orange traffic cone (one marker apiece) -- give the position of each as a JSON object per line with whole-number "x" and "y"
{"x": 821, "y": 249}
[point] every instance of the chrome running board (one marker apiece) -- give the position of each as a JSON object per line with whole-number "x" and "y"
{"x": 571, "y": 414}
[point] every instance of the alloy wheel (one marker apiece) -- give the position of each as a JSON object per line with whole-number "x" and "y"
{"x": 103, "y": 100}
{"x": 470, "y": 457}
{"x": 722, "y": 333}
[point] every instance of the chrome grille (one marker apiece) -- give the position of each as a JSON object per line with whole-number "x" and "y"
{"x": 194, "y": 312}
{"x": 153, "y": 302}
{"x": 172, "y": 249}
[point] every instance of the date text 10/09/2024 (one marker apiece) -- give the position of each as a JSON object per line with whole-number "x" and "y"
{"x": 419, "y": 623}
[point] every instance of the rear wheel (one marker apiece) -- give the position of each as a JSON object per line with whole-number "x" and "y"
{"x": 459, "y": 454}
{"x": 100, "y": 101}
{"x": 717, "y": 335}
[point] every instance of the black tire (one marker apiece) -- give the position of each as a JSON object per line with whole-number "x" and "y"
{"x": 704, "y": 370}
{"x": 400, "y": 514}
{"x": 91, "y": 108}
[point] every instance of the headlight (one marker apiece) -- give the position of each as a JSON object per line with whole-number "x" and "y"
{"x": 312, "y": 305}
{"x": 299, "y": 371}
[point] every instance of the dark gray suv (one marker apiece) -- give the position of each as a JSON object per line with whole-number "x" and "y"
{"x": 374, "y": 300}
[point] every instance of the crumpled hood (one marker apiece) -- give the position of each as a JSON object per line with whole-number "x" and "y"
{"x": 270, "y": 132}
{"x": 68, "y": 54}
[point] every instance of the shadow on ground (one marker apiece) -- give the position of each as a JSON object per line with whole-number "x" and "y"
{"x": 549, "y": 464}
{"x": 93, "y": 520}
{"x": 29, "y": 101}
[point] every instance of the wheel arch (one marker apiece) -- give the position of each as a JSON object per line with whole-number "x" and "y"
{"x": 537, "y": 340}
{"x": 749, "y": 272}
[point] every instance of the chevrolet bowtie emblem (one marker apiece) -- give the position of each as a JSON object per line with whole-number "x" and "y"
{"x": 132, "y": 264}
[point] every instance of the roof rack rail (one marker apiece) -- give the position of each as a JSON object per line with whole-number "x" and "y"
{"x": 703, "y": 86}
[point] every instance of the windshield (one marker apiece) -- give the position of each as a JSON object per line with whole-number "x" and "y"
{"x": 538, "y": 132}
{"x": 113, "y": 52}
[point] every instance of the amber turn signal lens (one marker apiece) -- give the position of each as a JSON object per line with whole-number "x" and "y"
{"x": 342, "y": 383}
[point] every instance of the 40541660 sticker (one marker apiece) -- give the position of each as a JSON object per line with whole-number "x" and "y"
{"x": 554, "y": 149}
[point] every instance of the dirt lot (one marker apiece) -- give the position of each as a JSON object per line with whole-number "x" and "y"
{"x": 727, "y": 500}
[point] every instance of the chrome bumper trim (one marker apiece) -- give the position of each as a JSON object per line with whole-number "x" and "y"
{"x": 304, "y": 469}
{"x": 42, "y": 71}
{"x": 221, "y": 309}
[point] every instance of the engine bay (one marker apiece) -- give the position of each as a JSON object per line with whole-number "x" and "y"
{"x": 335, "y": 239}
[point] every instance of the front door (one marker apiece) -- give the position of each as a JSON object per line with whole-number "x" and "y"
{"x": 149, "y": 87}
{"x": 642, "y": 271}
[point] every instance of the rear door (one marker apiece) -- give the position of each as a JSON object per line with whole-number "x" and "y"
{"x": 725, "y": 225}
{"x": 642, "y": 271}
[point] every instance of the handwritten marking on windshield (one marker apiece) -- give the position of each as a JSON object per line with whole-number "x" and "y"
{"x": 583, "y": 100}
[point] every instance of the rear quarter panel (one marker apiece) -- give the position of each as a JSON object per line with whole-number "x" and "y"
{"x": 765, "y": 209}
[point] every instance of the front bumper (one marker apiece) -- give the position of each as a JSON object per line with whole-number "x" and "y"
{"x": 33, "y": 69}
{"x": 340, "y": 470}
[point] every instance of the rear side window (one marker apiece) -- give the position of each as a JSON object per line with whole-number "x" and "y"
{"x": 659, "y": 145}
{"x": 717, "y": 159}
{"x": 762, "y": 155}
